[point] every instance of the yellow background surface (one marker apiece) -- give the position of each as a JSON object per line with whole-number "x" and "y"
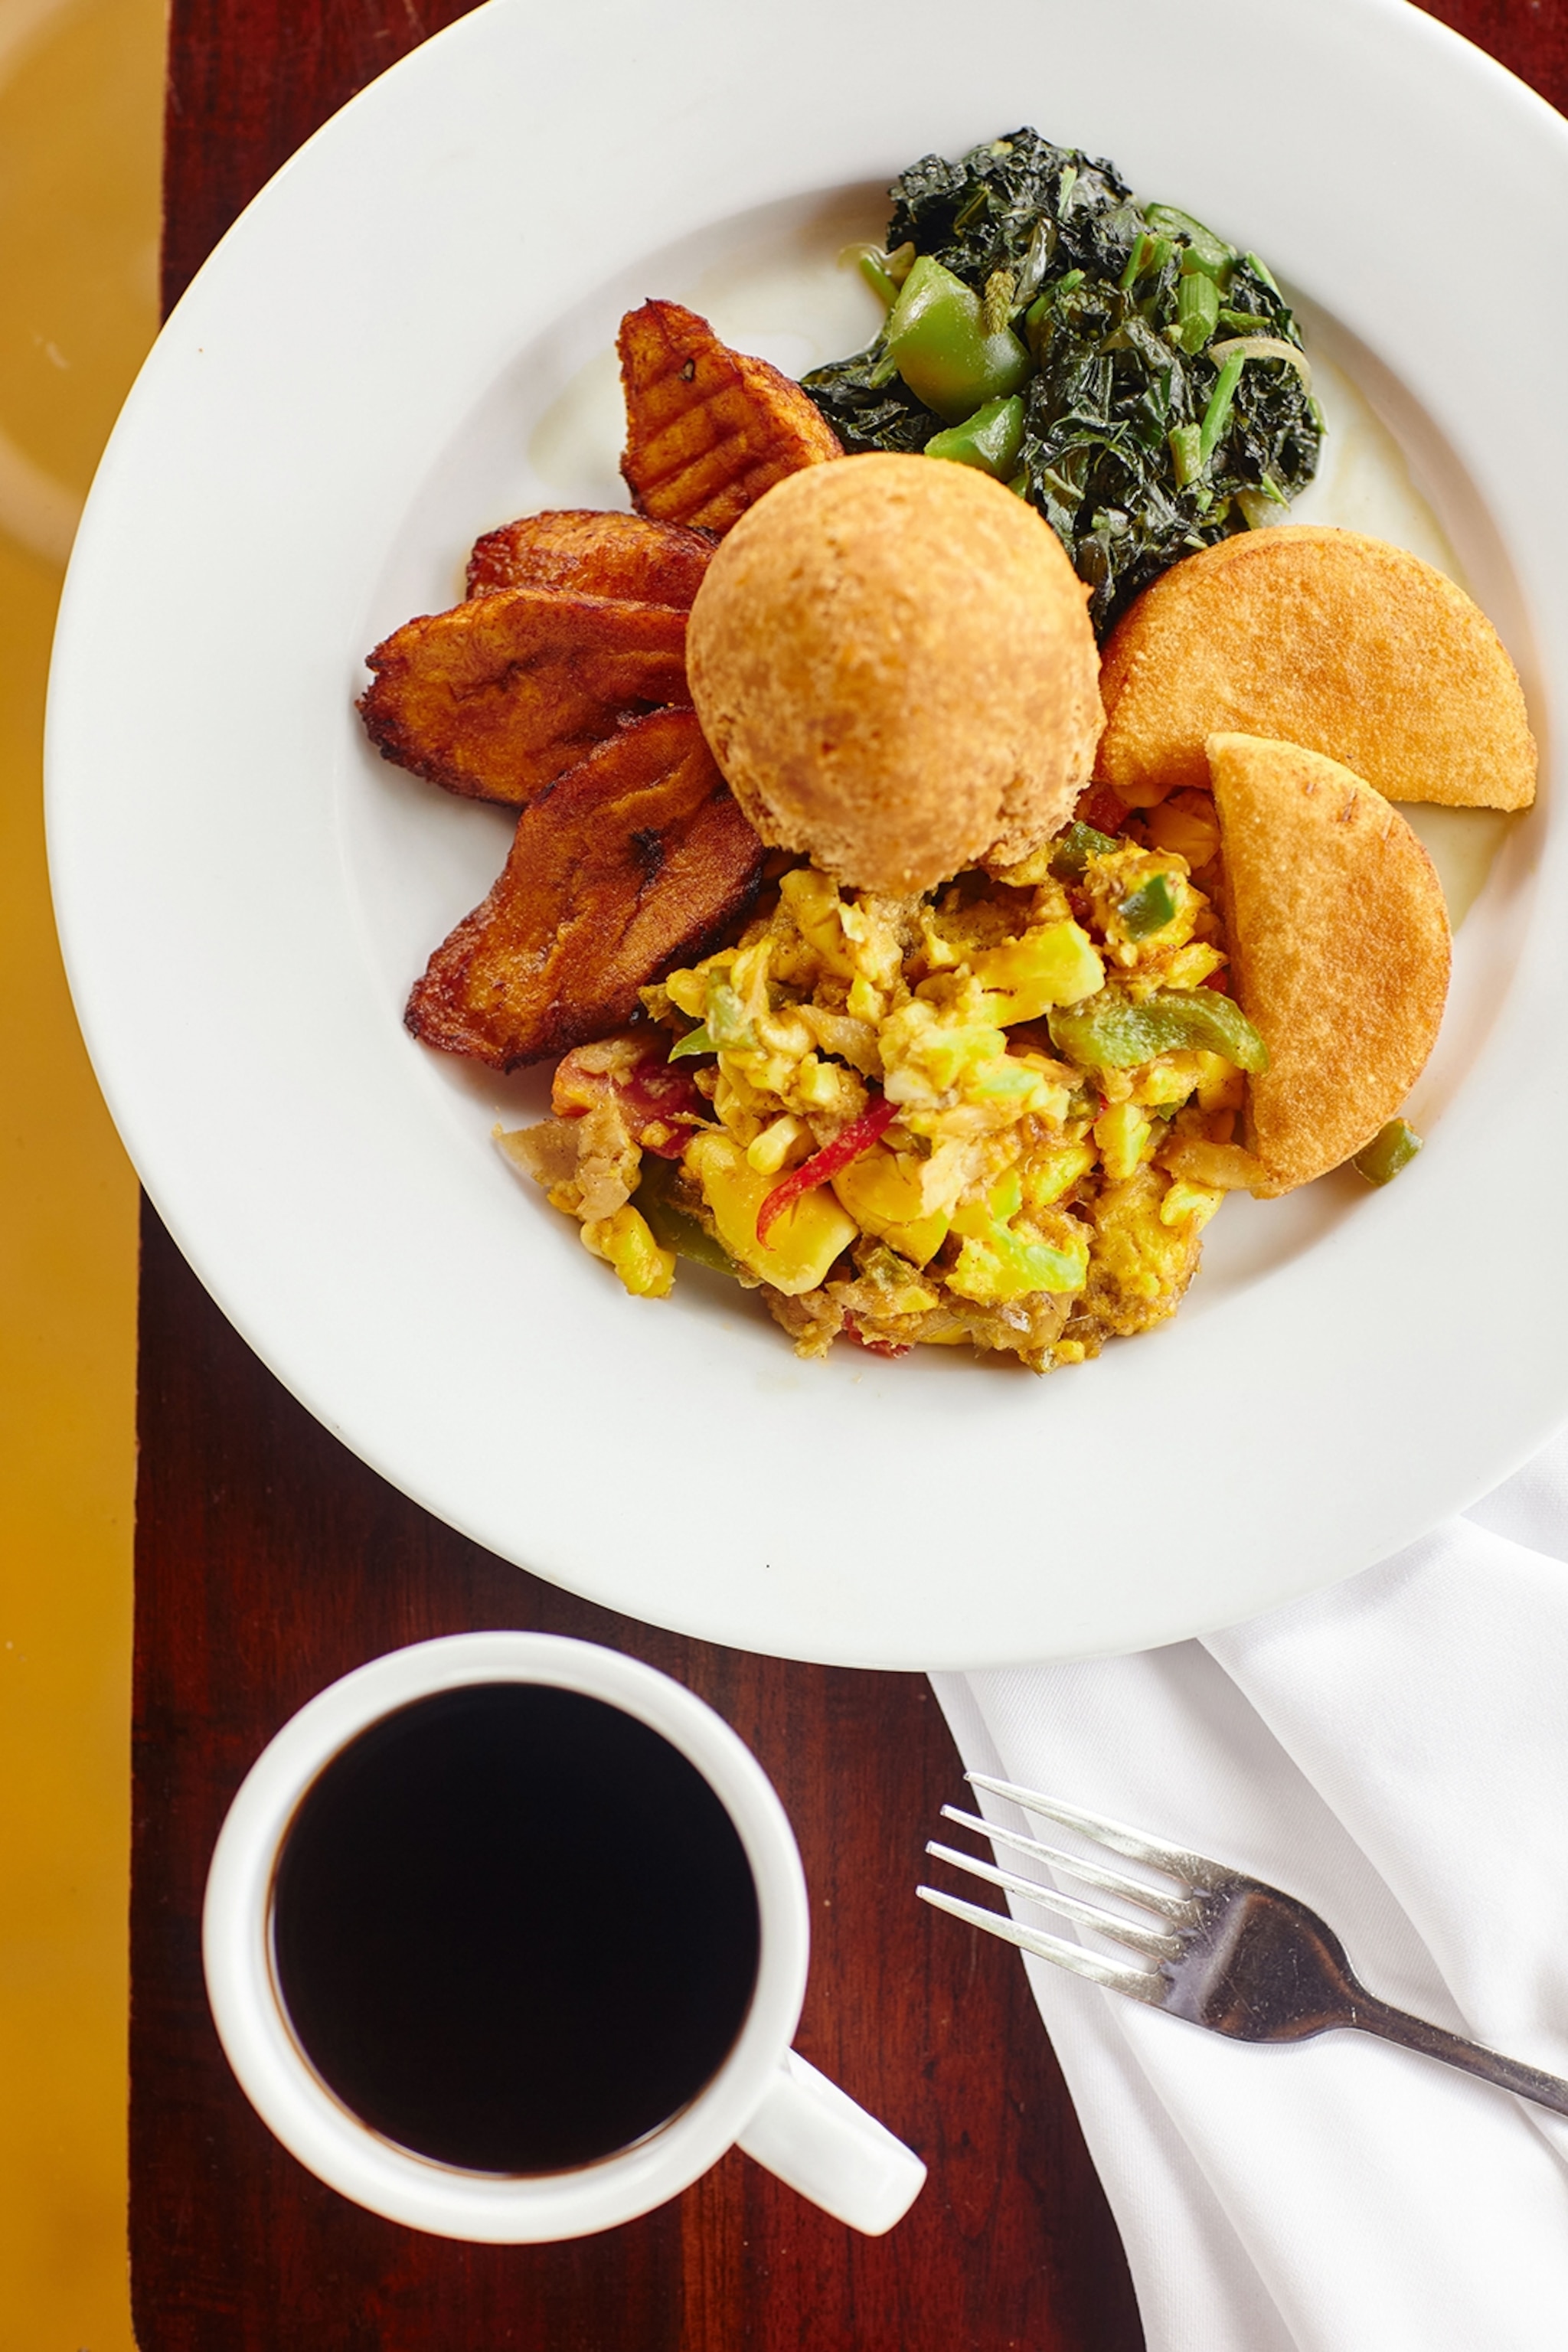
{"x": 81, "y": 114}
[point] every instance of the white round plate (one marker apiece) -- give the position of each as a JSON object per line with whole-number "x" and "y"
{"x": 394, "y": 349}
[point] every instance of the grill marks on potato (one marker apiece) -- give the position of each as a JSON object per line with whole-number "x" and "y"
{"x": 636, "y": 860}
{"x": 559, "y": 688}
{"x": 499, "y": 696}
{"x": 708, "y": 429}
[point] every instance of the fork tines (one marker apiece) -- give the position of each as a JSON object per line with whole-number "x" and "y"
{"x": 1175, "y": 1860}
{"x": 1231, "y": 1953}
{"x": 1116, "y": 1976}
{"x": 1153, "y": 1943}
{"x": 1090, "y": 1873}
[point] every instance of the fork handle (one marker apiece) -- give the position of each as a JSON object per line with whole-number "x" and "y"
{"x": 1415, "y": 2033}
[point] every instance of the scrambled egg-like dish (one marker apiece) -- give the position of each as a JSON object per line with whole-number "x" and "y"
{"x": 998, "y": 1116}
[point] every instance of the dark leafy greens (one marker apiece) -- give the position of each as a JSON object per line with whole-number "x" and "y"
{"x": 1166, "y": 409}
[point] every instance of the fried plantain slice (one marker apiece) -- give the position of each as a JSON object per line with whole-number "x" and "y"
{"x": 593, "y": 554}
{"x": 707, "y": 430}
{"x": 1306, "y": 635}
{"x": 637, "y": 860}
{"x": 1340, "y": 950}
{"x": 499, "y": 696}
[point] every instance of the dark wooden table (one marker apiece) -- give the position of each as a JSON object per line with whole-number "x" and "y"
{"x": 269, "y": 1561}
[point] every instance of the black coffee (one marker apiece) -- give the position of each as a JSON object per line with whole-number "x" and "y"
{"x": 515, "y": 1929}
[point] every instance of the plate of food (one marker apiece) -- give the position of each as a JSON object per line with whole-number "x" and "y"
{"x": 783, "y": 775}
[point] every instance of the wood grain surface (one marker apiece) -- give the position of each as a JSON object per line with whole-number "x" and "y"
{"x": 270, "y": 1561}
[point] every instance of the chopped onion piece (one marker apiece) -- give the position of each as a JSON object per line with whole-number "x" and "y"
{"x": 1264, "y": 347}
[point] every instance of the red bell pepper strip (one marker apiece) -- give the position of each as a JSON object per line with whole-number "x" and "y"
{"x": 659, "y": 1091}
{"x": 651, "y": 1094}
{"x": 660, "y": 1094}
{"x": 673, "y": 1143}
{"x": 848, "y": 1145}
{"x": 891, "y": 1349}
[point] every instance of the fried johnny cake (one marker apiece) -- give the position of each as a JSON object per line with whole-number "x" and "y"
{"x": 708, "y": 429}
{"x": 636, "y": 860}
{"x": 1340, "y": 950}
{"x": 1344, "y": 645}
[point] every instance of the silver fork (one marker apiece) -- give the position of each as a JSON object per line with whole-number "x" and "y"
{"x": 1228, "y": 1952}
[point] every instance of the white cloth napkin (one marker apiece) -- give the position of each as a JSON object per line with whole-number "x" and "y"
{"x": 1394, "y": 1751}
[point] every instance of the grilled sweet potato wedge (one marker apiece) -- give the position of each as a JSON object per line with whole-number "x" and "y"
{"x": 593, "y": 554}
{"x": 499, "y": 696}
{"x": 637, "y": 860}
{"x": 707, "y": 430}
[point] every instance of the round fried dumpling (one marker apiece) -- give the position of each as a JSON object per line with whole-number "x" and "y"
{"x": 1306, "y": 635}
{"x": 1339, "y": 941}
{"x": 892, "y": 661}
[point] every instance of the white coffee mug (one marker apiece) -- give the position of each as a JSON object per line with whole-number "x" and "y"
{"x": 764, "y": 2097}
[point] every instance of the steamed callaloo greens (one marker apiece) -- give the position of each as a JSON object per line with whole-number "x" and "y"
{"x": 1136, "y": 379}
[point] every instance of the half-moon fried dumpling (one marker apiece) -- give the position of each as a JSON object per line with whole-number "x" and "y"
{"x": 1341, "y": 644}
{"x": 1339, "y": 940}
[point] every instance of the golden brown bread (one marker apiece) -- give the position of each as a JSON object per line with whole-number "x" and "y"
{"x": 1304, "y": 634}
{"x": 708, "y": 429}
{"x": 636, "y": 860}
{"x": 594, "y": 554}
{"x": 499, "y": 696}
{"x": 893, "y": 661}
{"x": 1339, "y": 940}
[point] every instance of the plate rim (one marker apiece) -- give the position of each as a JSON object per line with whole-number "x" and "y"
{"x": 799, "y": 1620}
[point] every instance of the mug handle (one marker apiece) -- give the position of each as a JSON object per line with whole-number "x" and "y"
{"x": 813, "y": 2136}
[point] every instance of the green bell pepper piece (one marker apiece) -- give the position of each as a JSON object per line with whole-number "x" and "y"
{"x": 726, "y": 1020}
{"x": 1394, "y": 1147}
{"x": 1110, "y": 1032}
{"x": 1204, "y": 251}
{"x": 990, "y": 439}
{"x": 1148, "y": 908}
{"x": 936, "y": 338}
{"x": 671, "y": 1227}
{"x": 725, "y": 1029}
{"x": 1071, "y": 850}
